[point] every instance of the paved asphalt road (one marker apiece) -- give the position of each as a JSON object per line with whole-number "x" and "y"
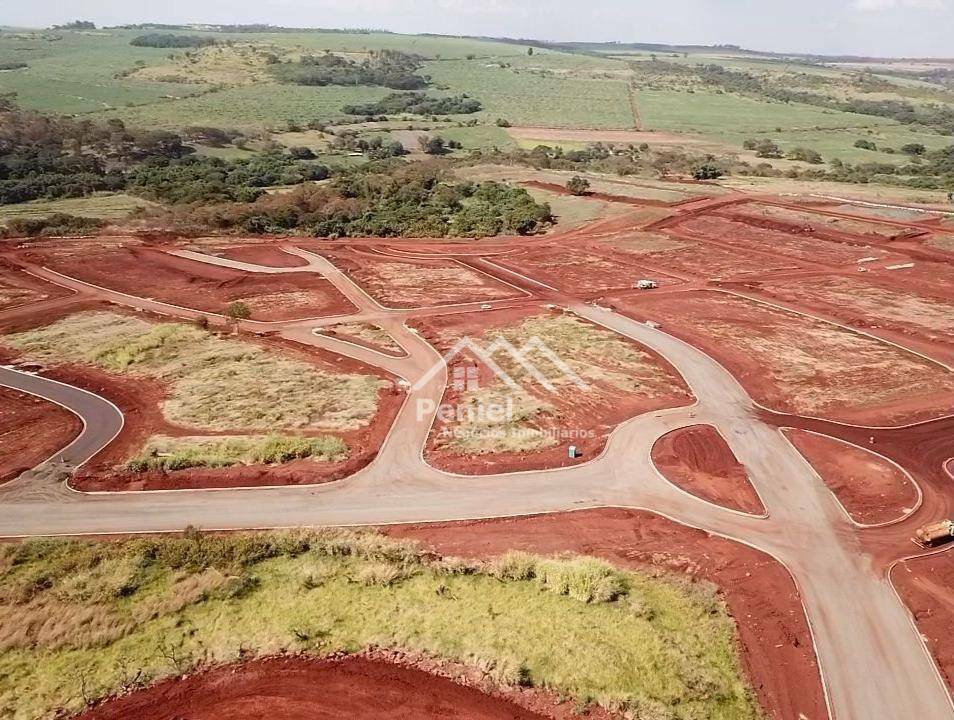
{"x": 874, "y": 663}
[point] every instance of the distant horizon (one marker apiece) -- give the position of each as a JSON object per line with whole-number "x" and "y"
{"x": 889, "y": 29}
{"x": 499, "y": 38}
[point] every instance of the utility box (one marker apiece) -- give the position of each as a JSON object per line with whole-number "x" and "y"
{"x": 573, "y": 452}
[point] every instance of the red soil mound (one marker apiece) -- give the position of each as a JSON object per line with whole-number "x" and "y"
{"x": 699, "y": 460}
{"x": 31, "y": 430}
{"x": 300, "y": 689}
{"x": 777, "y": 647}
{"x": 925, "y": 586}
{"x": 869, "y": 487}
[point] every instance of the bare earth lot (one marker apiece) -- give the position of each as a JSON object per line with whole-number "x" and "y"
{"x": 871, "y": 489}
{"x": 622, "y": 378}
{"x": 31, "y": 430}
{"x": 801, "y": 365}
{"x": 151, "y": 273}
{"x": 400, "y": 283}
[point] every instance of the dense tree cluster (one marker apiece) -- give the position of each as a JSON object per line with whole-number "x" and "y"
{"x": 170, "y": 40}
{"x": 374, "y": 148}
{"x": 51, "y": 226}
{"x": 385, "y": 68}
{"x": 48, "y": 158}
{"x": 416, "y": 103}
{"x": 384, "y": 199}
{"x": 205, "y": 179}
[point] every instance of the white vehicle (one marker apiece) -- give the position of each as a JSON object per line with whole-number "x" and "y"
{"x": 486, "y": 306}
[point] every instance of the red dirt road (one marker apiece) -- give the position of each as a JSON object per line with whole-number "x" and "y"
{"x": 31, "y": 430}
{"x": 777, "y": 648}
{"x": 872, "y": 490}
{"x": 699, "y": 460}
{"x": 300, "y": 689}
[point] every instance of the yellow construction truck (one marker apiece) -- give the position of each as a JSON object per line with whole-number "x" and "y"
{"x": 935, "y": 533}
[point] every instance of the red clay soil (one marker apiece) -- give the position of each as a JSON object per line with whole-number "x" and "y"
{"x": 18, "y": 288}
{"x": 294, "y": 688}
{"x": 925, "y": 586}
{"x": 151, "y": 273}
{"x": 798, "y": 364}
{"x": 777, "y": 650}
{"x": 792, "y": 244}
{"x": 921, "y": 449}
{"x": 31, "y": 430}
{"x": 269, "y": 255}
{"x": 700, "y": 461}
{"x": 871, "y": 489}
{"x": 590, "y": 417}
{"x": 583, "y": 272}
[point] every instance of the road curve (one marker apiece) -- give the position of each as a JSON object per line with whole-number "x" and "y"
{"x": 873, "y": 662}
{"x": 102, "y": 421}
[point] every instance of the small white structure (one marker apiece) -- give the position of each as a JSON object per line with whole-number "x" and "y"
{"x": 904, "y": 266}
{"x": 646, "y": 284}
{"x": 572, "y": 452}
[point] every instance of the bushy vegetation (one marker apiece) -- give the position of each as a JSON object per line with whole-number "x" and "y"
{"x": 207, "y": 179}
{"x": 169, "y": 40}
{"x": 416, "y": 103}
{"x": 50, "y": 226}
{"x": 49, "y": 158}
{"x": 171, "y": 454}
{"x": 386, "y": 68}
{"x": 81, "y": 620}
{"x": 385, "y": 199}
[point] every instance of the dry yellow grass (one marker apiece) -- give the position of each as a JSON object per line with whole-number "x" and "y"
{"x": 215, "y": 384}
{"x": 363, "y": 332}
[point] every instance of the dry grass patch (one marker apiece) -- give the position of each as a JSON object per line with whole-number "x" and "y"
{"x": 215, "y": 384}
{"x": 653, "y": 647}
{"x": 168, "y": 453}
{"x": 364, "y": 332}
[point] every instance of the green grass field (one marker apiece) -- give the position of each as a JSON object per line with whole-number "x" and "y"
{"x": 83, "y": 618}
{"x": 109, "y": 206}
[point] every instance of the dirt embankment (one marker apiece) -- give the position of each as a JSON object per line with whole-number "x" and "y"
{"x": 871, "y": 489}
{"x": 699, "y": 460}
{"x": 31, "y": 430}
{"x": 777, "y": 647}
{"x": 925, "y": 586}
{"x": 290, "y": 688}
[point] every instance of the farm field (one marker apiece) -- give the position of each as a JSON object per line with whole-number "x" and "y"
{"x": 107, "y": 206}
{"x": 797, "y": 364}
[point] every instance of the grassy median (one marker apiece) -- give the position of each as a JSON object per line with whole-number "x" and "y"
{"x": 81, "y": 620}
